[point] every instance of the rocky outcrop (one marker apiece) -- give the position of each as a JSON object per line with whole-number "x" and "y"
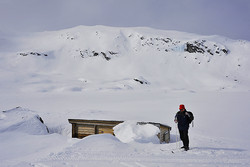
{"x": 106, "y": 55}
{"x": 203, "y": 46}
{"x": 171, "y": 45}
{"x": 141, "y": 81}
{"x": 33, "y": 54}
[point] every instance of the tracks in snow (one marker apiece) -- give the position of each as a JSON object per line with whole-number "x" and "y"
{"x": 195, "y": 157}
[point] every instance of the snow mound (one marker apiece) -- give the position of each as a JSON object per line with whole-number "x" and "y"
{"x": 23, "y": 121}
{"x": 131, "y": 131}
{"x": 100, "y": 142}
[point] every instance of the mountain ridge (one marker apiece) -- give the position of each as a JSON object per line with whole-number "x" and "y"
{"x": 102, "y": 55}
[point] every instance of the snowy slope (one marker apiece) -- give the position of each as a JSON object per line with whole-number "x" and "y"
{"x": 137, "y": 74}
{"x": 112, "y": 58}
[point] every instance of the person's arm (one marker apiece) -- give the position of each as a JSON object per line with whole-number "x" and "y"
{"x": 175, "y": 119}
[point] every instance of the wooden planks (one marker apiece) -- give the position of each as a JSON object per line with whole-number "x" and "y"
{"x": 104, "y": 129}
{"x": 86, "y": 129}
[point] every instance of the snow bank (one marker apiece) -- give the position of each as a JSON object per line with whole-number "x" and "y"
{"x": 100, "y": 142}
{"x": 130, "y": 131}
{"x": 23, "y": 121}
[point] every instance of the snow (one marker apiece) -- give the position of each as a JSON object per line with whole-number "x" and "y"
{"x": 130, "y": 131}
{"x": 71, "y": 83}
{"x": 22, "y": 120}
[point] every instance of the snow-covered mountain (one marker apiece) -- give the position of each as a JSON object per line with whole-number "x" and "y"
{"x": 130, "y": 74}
{"x": 83, "y": 58}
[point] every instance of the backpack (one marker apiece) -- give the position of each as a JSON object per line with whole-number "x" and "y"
{"x": 191, "y": 116}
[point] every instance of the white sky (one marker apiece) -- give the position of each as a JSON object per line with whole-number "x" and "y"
{"x": 230, "y": 18}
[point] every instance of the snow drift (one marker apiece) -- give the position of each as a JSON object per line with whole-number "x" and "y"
{"x": 21, "y": 120}
{"x": 131, "y": 131}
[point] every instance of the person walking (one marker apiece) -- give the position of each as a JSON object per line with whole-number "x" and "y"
{"x": 183, "y": 118}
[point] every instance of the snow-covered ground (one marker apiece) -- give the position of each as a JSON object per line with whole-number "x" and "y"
{"x": 131, "y": 74}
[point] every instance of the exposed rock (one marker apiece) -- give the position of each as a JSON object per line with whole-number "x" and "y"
{"x": 159, "y": 42}
{"x": 113, "y": 53}
{"x": 95, "y": 53}
{"x": 225, "y": 51}
{"x": 203, "y": 46}
{"x": 141, "y": 81}
{"x": 191, "y": 48}
{"x": 106, "y": 55}
{"x": 33, "y": 53}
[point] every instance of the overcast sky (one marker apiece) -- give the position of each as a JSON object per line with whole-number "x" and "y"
{"x": 230, "y": 18}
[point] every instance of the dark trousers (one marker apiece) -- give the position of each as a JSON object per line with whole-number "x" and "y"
{"x": 184, "y": 138}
